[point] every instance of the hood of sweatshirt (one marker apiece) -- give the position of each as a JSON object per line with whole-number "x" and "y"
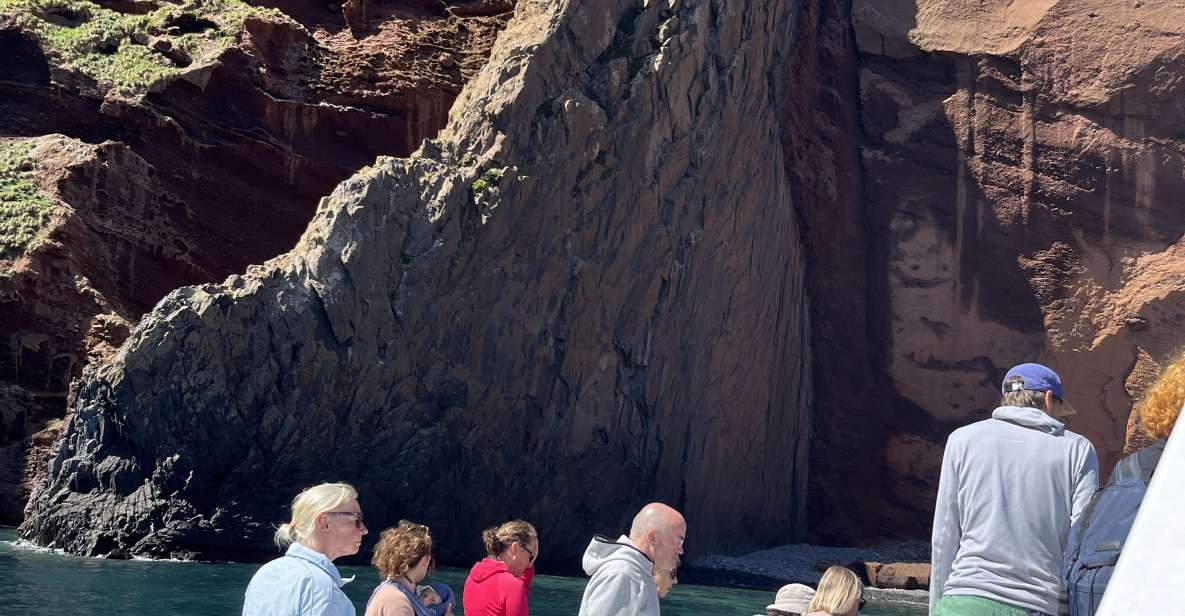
{"x": 1029, "y": 418}
{"x": 603, "y": 550}
{"x": 487, "y": 568}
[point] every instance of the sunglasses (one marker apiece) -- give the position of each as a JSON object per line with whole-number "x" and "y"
{"x": 532, "y": 561}
{"x": 860, "y": 606}
{"x": 356, "y": 514}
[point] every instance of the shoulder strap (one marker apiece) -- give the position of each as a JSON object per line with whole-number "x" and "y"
{"x": 1149, "y": 458}
{"x": 1084, "y": 522}
{"x": 1139, "y": 465}
{"x": 418, "y": 608}
{"x": 1128, "y": 468}
{"x": 375, "y": 592}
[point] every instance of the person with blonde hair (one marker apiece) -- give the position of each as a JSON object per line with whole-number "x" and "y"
{"x": 840, "y": 593}
{"x": 402, "y": 556}
{"x": 499, "y": 583}
{"x": 1097, "y": 539}
{"x": 326, "y": 524}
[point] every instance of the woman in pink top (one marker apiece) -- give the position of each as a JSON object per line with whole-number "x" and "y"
{"x": 498, "y": 584}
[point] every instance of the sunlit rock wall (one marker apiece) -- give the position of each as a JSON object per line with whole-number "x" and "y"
{"x": 586, "y": 294}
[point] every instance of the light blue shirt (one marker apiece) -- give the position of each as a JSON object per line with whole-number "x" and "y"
{"x": 1011, "y": 487}
{"x": 302, "y": 582}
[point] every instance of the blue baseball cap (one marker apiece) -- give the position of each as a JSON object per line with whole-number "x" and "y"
{"x": 1033, "y": 377}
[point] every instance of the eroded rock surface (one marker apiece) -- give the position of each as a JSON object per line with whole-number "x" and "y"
{"x": 592, "y": 290}
{"x": 191, "y": 170}
{"x": 1023, "y": 167}
{"x": 556, "y": 313}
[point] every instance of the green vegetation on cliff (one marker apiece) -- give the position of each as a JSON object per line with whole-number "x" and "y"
{"x": 24, "y": 210}
{"x": 132, "y": 48}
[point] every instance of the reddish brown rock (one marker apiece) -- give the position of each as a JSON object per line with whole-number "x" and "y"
{"x": 1022, "y": 177}
{"x": 586, "y": 294}
{"x": 603, "y": 273}
{"x": 194, "y": 179}
{"x": 903, "y": 576}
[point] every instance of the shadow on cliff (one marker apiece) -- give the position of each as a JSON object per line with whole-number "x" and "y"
{"x": 874, "y": 470}
{"x": 979, "y": 205}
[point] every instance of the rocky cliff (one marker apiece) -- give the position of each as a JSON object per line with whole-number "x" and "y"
{"x": 754, "y": 258}
{"x": 1023, "y": 171}
{"x": 203, "y": 133}
{"x": 587, "y": 293}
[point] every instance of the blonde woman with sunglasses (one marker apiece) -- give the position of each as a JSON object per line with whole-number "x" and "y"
{"x": 326, "y": 524}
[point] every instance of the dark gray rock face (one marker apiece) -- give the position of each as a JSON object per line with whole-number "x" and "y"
{"x": 585, "y": 295}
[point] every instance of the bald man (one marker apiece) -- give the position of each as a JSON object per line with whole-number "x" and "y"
{"x": 622, "y": 571}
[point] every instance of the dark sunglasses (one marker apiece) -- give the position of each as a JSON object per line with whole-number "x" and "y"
{"x": 532, "y": 561}
{"x": 861, "y": 604}
{"x": 357, "y": 517}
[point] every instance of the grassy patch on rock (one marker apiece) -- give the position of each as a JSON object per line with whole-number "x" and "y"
{"x": 24, "y": 209}
{"x": 136, "y": 46}
{"x": 490, "y": 178}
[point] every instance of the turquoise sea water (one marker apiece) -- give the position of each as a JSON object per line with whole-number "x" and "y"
{"x": 42, "y": 583}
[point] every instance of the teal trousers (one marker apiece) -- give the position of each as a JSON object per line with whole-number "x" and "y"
{"x": 966, "y": 605}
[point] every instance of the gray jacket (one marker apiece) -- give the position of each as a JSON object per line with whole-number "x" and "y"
{"x": 622, "y": 580}
{"x": 1010, "y": 488}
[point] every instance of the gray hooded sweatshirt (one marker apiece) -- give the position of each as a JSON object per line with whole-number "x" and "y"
{"x": 622, "y": 580}
{"x": 1010, "y": 488}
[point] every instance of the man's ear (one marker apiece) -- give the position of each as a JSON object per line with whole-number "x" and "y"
{"x": 1049, "y": 402}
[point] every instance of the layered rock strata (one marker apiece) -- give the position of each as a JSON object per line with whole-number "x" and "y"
{"x": 586, "y": 294}
{"x": 205, "y": 166}
{"x": 591, "y": 290}
{"x": 1023, "y": 171}
{"x": 102, "y": 216}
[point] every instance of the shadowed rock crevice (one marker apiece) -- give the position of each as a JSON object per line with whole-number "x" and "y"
{"x": 1022, "y": 170}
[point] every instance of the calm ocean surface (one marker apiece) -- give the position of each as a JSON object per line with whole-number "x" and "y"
{"x": 37, "y": 582}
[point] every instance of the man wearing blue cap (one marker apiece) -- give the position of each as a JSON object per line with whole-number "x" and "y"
{"x": 1010, "y": 488}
